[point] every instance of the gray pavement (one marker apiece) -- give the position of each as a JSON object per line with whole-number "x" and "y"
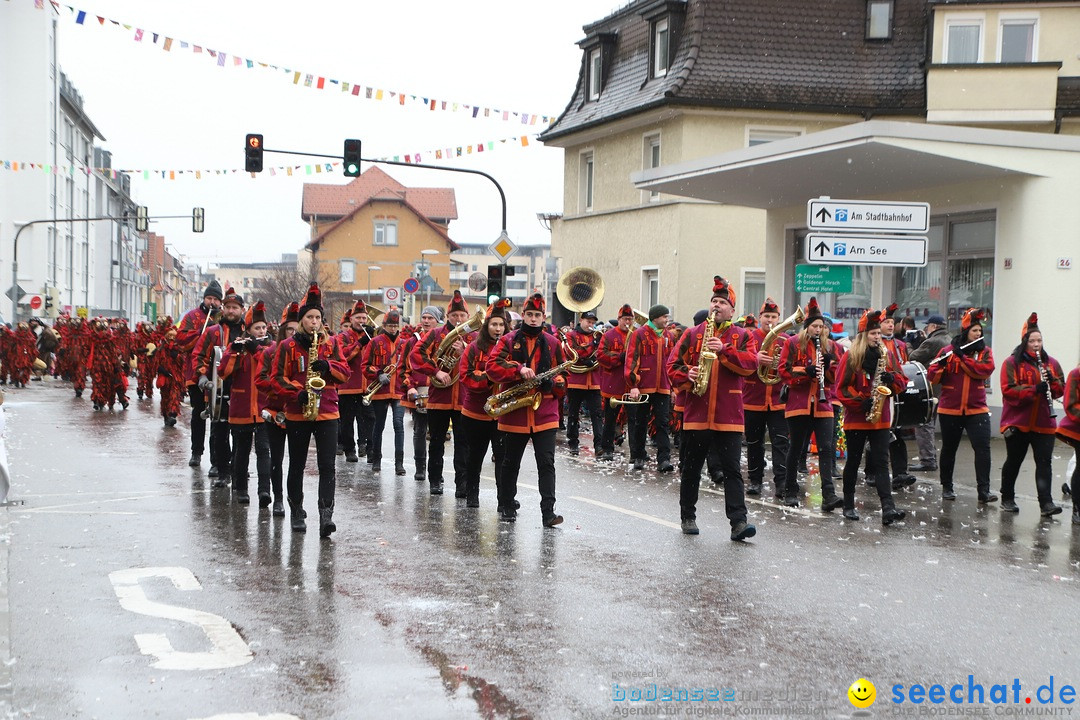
{"x": 136, "y": 590}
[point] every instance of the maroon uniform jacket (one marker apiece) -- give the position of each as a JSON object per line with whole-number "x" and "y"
{"x": 476, "y": 386}
{"x": 423, "y": 362}
{"x": 1023, "y": 407}
{"x": 963, "y": 381}
{"x": 1069, "y": 425}
{"x": 646, "y": 361}
{"x": 290, "y": 375}
{"x": 352, "y": 345}
{"x": 798, "y": 368}
{"x": 380, "y": 354}
{"x": 721, "y": 407}
{"x": 612, "y": 358}
{"x": 757, "y": 395}
{"x": 585, "y": 344}
{"x": 407, "y": 376}
{"x": 245, "y": 400}
{"x": 503, "y": 369}
{"x": 188, "y": 334}
{"x": 852, "y": 393}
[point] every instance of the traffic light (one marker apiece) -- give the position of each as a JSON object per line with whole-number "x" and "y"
{"x": 142, "y": 219}
{"x": 52, "y": 302}
{"x": 351, "y": 158}
{"x": 253, "y": 153}
{"x": 198, "y": 219}
{"x": 495, "y": 284}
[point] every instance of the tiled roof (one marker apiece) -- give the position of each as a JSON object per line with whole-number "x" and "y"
{"x": 336, "y": 201}
{"x": 778, "y": 54}
{"x": 391, "y": 197}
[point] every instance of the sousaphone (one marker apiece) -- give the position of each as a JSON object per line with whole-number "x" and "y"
{"x": 580, "y": 289}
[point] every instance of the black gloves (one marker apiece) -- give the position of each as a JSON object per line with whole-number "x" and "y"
{"x": 887, "y": 379}
{"x": 383, "y": 379}
{"x": 320, "y": 366}
{"x": 826, "y": 361}
{"x": 979, "y": 345}
{"x": 1042, "y": 387}
{"x": 239, "y": 345}
{"x": 866, "y": 405}
{"x": 302, "y": 397}
{"x": 870, "y": 360}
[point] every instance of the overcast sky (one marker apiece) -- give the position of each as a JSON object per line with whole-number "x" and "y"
{"x": 179, "y": 110}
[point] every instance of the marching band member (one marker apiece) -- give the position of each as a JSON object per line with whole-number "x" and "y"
{"x": 764, "y": 411}
{"x": 229, "y": 328}
{"x": 715, "y": 416}
{"x": 611, "y": 356}
{"x": 292, "y": 375}
{"x": 961, "y": 369}
{"x": 864, "y": 369}
{"x": 477, "y": 427}
{"x": 354, "y": 435}
{"x": 808, "y": 367}
{"x": 379, "y": 358}
{"x": 188, "y": 334}
{"x": 444, "y": 403}
{"x": 645, "y": 372}
{"x": 273, "y": 412}
{"x": 898, "y": 457}
{"x": 416, "y": 386}
{"x": 144, "y": 341}
{"x": 1030, "y": 380}
{"x": 936, "y": 337}
{"x": 583, "y": 387}
{"x": 1069, "y": 431}
{"x": 519, "y": 357}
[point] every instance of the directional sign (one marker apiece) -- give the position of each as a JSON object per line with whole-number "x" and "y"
{"x": 863, "y": 216}
{"x": 895, "y": 250}
{"x": 823, "y": 278}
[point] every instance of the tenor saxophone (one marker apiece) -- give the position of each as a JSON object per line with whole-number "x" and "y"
{"x": 525, "y": 394}
{"x": 879, "y": 392}
{"x": 315, "y": 383}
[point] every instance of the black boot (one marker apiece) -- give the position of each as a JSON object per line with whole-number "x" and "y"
{"x": 947, "y": 492}
{"x": 296, "y": 517}
{"x": 399, "y": 464}
{"x": 195, "y": 461}
{"x": 278, "y": 509}
{"x": 326, "y": 521}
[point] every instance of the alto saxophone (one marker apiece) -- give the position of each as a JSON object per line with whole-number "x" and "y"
{"x": 524, "y": 393}
{"x": 879, "y": 392}
{"x": 315, "y": 383}
{"x": 705, "y": 359}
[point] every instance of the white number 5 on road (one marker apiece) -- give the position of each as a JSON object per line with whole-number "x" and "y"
{"x": 229, "y": 649}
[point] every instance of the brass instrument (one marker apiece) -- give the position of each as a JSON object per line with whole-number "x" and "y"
{"x": 1045, "y": 375}
{"x": 706, "y": 359}
{"x": 627, "y": 400}
{"x": 639, "y": 317}
{"x": 445, "y": 358}
{"x": 770, "y": 374}
{"x": 422, "y": 398}
{"x": 580, "y": 289}
{"x": 524, "y": 393}
{"x": 315, "y": 383}
{"x": 377, "y": 386}
{"x": 879, "y": 392}
{"x": 819, "y": 366}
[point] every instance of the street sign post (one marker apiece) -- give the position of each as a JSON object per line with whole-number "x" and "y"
{"x": 867, "y": 216}
{"x": 823, "y": 278}
{"x": 391, "y": 295}
{"x": 503, "y": 248}
{"x": 411, "y": 285}
{"x": 893, "y": 250}
{"x": 35, "y": 302}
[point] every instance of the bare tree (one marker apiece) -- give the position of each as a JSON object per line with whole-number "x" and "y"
{"x": 286, "y": 284}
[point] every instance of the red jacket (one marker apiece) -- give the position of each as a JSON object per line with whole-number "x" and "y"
{"x": 379, "y": 355}
{"x": 216, "y": 335}
{"x": 407, "y": 377}
{"x": 503, "y": 369}
{"x": 963, "y": 381}
{"x": 423, "y": 361}
{"x": 798, "y": 368}
{"x": 188, "y": 333}
{"x": 1022, "y": 406}
{"x": 646, "y": 361}
{"x": 612, "y": 358}
{"x": 1069, "y": 423}
{"x": 245, "y": 400}
{"x": 290, "y": 375}
{"x": 585, "y": 344}
{"x": 264, "y": 381}
{"x": 476, "y": 386}
{"x": 352, "y": 345}
{"x": 720, "y": 408}
{"x": 852, "y": 392}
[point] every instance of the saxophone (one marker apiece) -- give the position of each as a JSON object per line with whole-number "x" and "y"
{"x": 705, "y": 359}
{"x": 878, "y": 391}
{"x": 524, "y": 393}
{"x": 315, "y": 383}
{"x": 447, "y": 360}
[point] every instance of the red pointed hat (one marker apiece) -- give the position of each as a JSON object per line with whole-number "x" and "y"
{"x": 973, "y": 316}
{"x": 871, "y": 320}
{"x": 291, "y": 313}
{"x": 231, "y": 296}
{"x": 813, "y": 312}
{"x": 498, "y": 308}
{"x": 723, "y": 289}
{"x": 535, "y": 302}
{"x": 457, "y": 303}
{"x": 769, "y": 306}
{"x": 358, "y": 307}
{"x": 888, "y": 312}
{"x": 312, "y": 301}
{"x": 1030, "y": 325}
{"x": 625, "y": 311}
{"x": 749, "y": 321}
{"x": 255, "y": 314}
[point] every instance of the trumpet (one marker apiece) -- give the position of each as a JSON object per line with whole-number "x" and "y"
{"x": 377, "y": 386}
{"x": 627, "y": 400}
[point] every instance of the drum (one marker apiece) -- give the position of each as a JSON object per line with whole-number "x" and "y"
{"x": 914, "y": 406}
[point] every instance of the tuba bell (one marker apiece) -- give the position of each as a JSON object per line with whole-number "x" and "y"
{"x": 580, "y": 289}
{"x": 770, "y": 374}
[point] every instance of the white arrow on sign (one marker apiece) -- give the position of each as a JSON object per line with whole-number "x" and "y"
{"x": 863, "y": 216}
{"x": 894, "y": 250}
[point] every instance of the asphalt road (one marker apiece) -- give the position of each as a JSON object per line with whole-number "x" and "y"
{"x": 132, "y": 589}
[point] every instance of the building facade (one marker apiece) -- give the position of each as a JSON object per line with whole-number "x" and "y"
{"x": 530, "y": 264}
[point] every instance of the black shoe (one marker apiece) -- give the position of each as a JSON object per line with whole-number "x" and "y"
{"x": 1066, "y": 491}
{"x": 326, "y": 522}
{"x": 420, "y": 477}
{"x": 243, "y": 499}
{"x": 985, "y": 498}
{"x": 362, "y": 452}
{"x": 507, "y": 515}
{"x": 78, "y": 393}
{"x": 171, "y": 421}
{"x": 124, "y": 404}
{"x": 803, "y": 469}
{"x": 436, "y": 488}
{"x": 551, "y": 520}
{"x": 791, "y": 501}
{"x": 472, "y": 502}
{"x": 213, "y": 471}
{"x": 297, "y": 518}
{"x": 1076, "y": 517}
{"x": 278, "y": 509}
{"x": 665, "y": 467}
{"x": 195, "y": 461}
{"x": 399, "y": 469}
{"x": 607, "y": 457}
{"x": 222, "y": 481}
{"x": 851, "y": 514}
{"x": 97, "y": 406}
{"x": 717, "y": 479}
{"x": 639, "y": 464}
{"x": 888, "y": 517}
{"x": 1049, "y": 509}
{"x": 947, "y": 492}
{"x": 742, "y": 531}
{"x": 351, "y": 457}
{"x": 923, "y": 468}
{"x": 904, "y": 480}
{"x": 340, "y": 449}
{"x": 689, "y": 527}
{"x": 517, "y": 505}
{"x": 264, "y": 499}
{"x": 1009, "y": 505}
{"x": 754, "y": 489}
{"x": 376, "y": 469}
{"x": 461, "y": 493}
{"x": 574, "y": 452}
{"x": 830, "y": 504}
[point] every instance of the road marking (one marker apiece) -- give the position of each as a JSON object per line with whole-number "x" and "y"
{"x": 83, "y": 512}
{"x": 77, "y": 504}
{"x": 782, "y": 508}
{"x": 626, "y": 511}
{"x": 250, "y": 716}
{"x": 229, "y": 649}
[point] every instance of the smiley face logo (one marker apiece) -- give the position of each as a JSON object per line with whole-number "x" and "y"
{"x": 862, "y": 693}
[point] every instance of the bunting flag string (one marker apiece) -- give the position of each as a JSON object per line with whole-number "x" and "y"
{"x": 311, "y": 80}
{"x": 428, "y": 156}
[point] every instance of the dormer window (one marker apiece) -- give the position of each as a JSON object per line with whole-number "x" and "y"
{"x": 660, "y": 46}
{"x": 599, "y": 50}
{"x": 879, "y": 19}
{"x": 595, "y": 73}
{"x": 1017, "y": 39}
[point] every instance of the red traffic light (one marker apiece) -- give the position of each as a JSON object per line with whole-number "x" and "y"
{"x": 253, "y": 153}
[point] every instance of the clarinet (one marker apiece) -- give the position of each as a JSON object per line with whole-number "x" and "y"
{"x": 819, "y": 364}
{"x": 1045, "y": 375}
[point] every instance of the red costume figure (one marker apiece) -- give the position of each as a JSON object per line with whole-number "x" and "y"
{"x": 23, "y": 354}
{"x": 611, "y": 356}
{"x": 142, "y": 341}
{"x": 415, "y": 386}
{"x": 168, "y": 363}
{"x": 7, "y": 340}
{"x": 104, "y": 362}
{"x": 273, "y": 412}
{"x": 584, "y": 387}
{"x": 380, "y": 359}
{"x": 357, "y": 419}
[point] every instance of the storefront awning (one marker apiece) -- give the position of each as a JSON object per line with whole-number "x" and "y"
{"x": 868, "y": 159}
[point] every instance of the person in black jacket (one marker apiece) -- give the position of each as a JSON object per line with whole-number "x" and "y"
{"x": 937, "y": 337}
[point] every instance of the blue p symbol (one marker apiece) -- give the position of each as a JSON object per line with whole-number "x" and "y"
{"x": 839, "y": 248}
{"x": 841, "y": 215}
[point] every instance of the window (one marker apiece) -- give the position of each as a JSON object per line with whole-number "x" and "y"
{"x": 660, "y": 47}
{"x": 963, "y": 41}
{"x": 385, "y": 233}
{"x": 650, "y": 286}
{"x": 762, "y": 135}
{"x": 347, "y": 272}
{"x": 1017, "y": 41}
{"x": 879, "y": 19}
{"x": 585, "y": 181}
{"x": 651, "y": 159}
{"x": 753, "y": 291}
{"x": 595, "y": 77}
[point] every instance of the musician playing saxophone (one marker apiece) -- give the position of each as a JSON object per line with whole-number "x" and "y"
{"x": 291, "y": 371}
{"x": 645, "y": 371}
{"x": 444, "y": 403}
{"x": 379, "y": 359}
{"x": 764, "y": 411}
{"x": 714, "y": 417}
{"x": 583, "y": 387}
{"x": 611, "y": 356}
{"x": 520, "y": 356}
{"x": 808, "y": 366}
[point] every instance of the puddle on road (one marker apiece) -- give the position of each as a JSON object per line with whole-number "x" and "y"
{"x": 491, "y": 701}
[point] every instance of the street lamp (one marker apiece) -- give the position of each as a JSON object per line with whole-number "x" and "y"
{"x": 376, "y": 268}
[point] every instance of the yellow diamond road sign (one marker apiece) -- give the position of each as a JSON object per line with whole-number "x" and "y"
{"x": 502, "y": 248}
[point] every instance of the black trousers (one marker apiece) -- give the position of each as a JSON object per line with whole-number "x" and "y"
{"x": 198, "y": 424}
{"x": 978, "y": 432}
{"x": 420, "y": 443}
{"x": 300, "y": 434}
{"x": 757, "y": 422}
{"x": 1016, "y": 447}
{"x": 800, "y": 427}
{"x": 438, "y": 423}
{"x": 242, "y": 437}
{"x": 480, "y": 434}
{"x": 357, "y": 422}
{"x": 275, "y": 437}
{"x": 220, "y": 444}
{"x": 591, "y": 399}
{"x": 607, "y": 435}
{"x": 639, "y": 428}
{"x": 898, "y": 458}
{"x": 380, "y": 408}
{"x": 877, "y": 459}
{"x": 728, "y": 445}
{"x": 544, "y": 451}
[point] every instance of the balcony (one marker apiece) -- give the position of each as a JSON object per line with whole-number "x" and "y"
{"x": 989, "y": 93}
